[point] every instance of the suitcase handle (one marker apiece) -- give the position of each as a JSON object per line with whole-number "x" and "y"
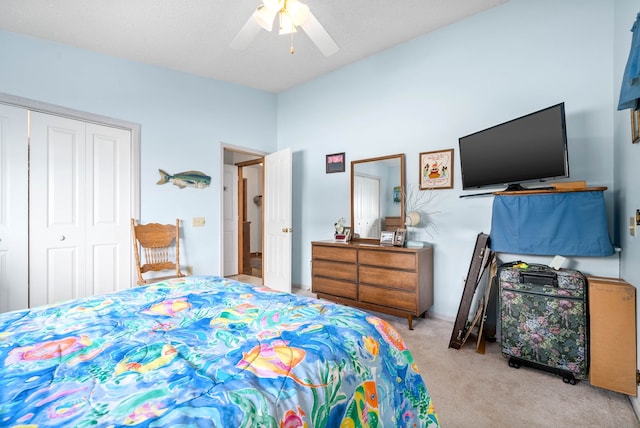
{"x": 540, "y": 278}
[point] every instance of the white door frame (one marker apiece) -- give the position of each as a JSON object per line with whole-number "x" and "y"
{"x": 230, "y": 220}
{"x": 134, "y": 128}
{"x": 237, "y": 149}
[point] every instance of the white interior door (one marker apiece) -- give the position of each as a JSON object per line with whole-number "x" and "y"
{"x": 56, "y": 209}
{"x": 108, "y": 213}
{"x": 277, "y": 212}
{"x": 230, "y": 219}
{"x": 14, "y": 224}
{"x": 79, "y": 209}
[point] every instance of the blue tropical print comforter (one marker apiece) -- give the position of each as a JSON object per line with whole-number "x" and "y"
{"x": 206, "y": 352}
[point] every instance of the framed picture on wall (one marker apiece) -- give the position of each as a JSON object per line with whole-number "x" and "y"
{"x": 335, "y": 162}
{"x": 397, "y": 194}
{"x": 436, "y": 170}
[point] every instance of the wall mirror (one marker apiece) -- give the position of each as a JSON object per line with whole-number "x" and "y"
{"x": 377, "y": 202}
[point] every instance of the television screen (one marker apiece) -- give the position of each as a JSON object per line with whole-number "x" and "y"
{"x": 529, "y": 148}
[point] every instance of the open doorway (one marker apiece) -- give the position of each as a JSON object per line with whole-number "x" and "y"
{"x": 243, "y": 221}
{"x": 250, "y": 217}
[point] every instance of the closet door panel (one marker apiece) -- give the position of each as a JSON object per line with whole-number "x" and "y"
{"x": 108, "y": 199}
{"x": 56, "y": 209}
{"x": 62, "y": 270}
{"x": 14, "y": 225}
{"x": 66, "y": 196}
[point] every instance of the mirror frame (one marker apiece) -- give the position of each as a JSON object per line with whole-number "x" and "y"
{"x": 399, "y": 156}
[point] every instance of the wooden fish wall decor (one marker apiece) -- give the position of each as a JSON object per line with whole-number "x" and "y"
{"x": 195, "y": 179}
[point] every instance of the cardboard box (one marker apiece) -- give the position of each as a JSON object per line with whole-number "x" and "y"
{"x": 612, "y": 334}
{"x": 570, "y": 185}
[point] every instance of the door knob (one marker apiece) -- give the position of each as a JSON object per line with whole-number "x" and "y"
{"x": 287, "y": 230}
{"x": 62, "y": 237}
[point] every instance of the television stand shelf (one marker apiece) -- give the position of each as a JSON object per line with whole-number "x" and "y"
{"x": 541, "y": 191}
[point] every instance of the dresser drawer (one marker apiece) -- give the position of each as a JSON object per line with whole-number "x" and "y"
{"x": 395, "y": 260}
{"x": 335, "y": 270}
{"x": 334, "y": 287}
{"x": 347, "y": 255}
{"x": 388, "y": 297}
{"x": 388, "y": 278}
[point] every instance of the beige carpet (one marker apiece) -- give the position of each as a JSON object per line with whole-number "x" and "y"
{"x": 481, "y": 390}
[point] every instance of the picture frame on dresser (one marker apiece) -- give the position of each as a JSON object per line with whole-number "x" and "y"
{"x": 399, "y": 237}
{"x": 387, "y": 237}
{"x": 345, "y": 236}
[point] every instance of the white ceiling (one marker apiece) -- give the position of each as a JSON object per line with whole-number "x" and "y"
{"x": 194, "y": 35}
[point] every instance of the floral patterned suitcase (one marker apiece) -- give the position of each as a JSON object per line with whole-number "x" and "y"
{"x": 543, "y": 314}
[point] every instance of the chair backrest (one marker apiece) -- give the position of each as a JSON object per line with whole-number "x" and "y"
{"x": 158, "y": 246}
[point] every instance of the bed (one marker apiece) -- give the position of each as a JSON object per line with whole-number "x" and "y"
{"x": 206, "y": 351}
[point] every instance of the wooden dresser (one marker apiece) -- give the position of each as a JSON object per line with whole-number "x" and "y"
{"x": 393, "y": 280}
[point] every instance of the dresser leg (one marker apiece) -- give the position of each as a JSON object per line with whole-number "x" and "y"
{"x": 410, "y": 320}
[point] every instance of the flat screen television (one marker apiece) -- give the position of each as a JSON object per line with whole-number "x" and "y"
{"x": 529, "y": 148}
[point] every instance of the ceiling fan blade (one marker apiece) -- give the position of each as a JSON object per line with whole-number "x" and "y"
{"x": 246, "y": 35}
{"x": 319, "y": 36}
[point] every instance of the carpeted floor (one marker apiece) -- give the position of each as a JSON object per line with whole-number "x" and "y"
{"x": 481, "y": 390}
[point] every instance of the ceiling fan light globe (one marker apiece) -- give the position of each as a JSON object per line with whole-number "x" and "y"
{"x": 286, "y": 24}
{"x": 273, "y": 4}
{"x": 265, "y": 16}
{"x": 298, "y": 12}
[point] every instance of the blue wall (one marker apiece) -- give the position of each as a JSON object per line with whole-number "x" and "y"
{"x": 184, "y": 120}
{"x": 626, "y": 161}
{"x": 423, "y": 95}
{"x": 419, "y": 96}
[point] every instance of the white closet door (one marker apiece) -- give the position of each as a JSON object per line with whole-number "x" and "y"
{"x": 79, "y": 205}
{"x": 14, "y": 268}
{"x": 57, "y": 209}
{"x": 107, "y": 201}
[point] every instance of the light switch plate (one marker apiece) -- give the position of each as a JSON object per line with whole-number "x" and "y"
{"x": 198, "y": 222}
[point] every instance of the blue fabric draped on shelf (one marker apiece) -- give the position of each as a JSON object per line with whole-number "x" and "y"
{"x": 566, "y": 224}
{"x": 630, "y": 89}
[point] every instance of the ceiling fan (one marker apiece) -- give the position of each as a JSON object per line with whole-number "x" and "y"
{"x": 292, "y": 14}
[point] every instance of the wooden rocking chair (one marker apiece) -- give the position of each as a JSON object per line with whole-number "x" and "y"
{"x": 160, "y": 246}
